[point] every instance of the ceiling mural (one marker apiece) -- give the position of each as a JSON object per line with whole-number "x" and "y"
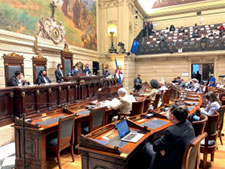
{"x": 166, "y": 3}
{"x": 78, "y": 18}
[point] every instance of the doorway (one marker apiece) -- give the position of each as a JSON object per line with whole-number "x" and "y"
{"x": 202, "y": 71}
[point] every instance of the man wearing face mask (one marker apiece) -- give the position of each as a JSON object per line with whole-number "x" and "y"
{"x": 87, "y": 70}
{"x": 137, "y": 83}
{"x": 75, "y": 71}
{"x": 168, "y": 150}
{"x": 43, "y": 78}
{"x": 18, "y": 80}
{"x": 212, "y": 81}
{"x": 59, "y": 73}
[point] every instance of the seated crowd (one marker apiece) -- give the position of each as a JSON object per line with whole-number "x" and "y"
{"x": 194, "y": 38}
{"x": 175, "y": 139}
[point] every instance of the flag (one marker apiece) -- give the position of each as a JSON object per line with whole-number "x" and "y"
{"x": 118, "y": 73}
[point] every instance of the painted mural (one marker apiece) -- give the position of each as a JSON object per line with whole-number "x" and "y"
{"x": 78, "y": 17}
{"x": 165, "y": 3}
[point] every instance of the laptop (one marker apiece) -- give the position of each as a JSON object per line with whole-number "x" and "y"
{"x": 125, "y": 133}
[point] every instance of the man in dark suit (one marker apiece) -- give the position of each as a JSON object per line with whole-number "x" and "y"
{"x": 59, "y": 74}
{"x": 43, "y": 78}
{"x": 18, "y": 80}
{"x": 137, "y": 83}
{"x": 87, "y": 70}
{"x": 167, "y": 152}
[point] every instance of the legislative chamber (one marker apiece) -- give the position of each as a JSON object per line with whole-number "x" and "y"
{"x": 112, "y": 84}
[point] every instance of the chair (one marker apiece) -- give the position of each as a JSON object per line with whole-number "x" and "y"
{"x": 220, "y": 123}
{"x": 199, "y": 126}
{"x": 209, "y": 146}
{"x": 166, "y": 97}
{"x": 156, "y": 101}
{"x": 65, "y": 137}
{"x": 191, "y": 157}
{"x": 146, "y": 104}
{"x": 96, "y": 120}
{"x": 137, "y": 108}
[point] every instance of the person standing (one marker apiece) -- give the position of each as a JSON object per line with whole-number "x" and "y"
{"x": 212, "y": 81}
{"x": 59, "y": 73}
{"x": 150, "y": 28}
{"x": 137, "y": 83}
{"x": 199, "y": 77}
{"x": 43, "y": 78}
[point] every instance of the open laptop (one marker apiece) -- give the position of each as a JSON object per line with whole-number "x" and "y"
{"x": 125, "y": 133}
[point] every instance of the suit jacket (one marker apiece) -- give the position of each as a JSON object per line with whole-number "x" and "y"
{"x": 137, "y": 87}
{"x": 174, "y": 141}
{"x": 40, "y": 80}
{"x": 124, "y": 104}
{"x": 58, "y": 76}
{"x": 13, "y": 81}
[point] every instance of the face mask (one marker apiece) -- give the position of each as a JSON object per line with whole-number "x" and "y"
{"x": 44, "y": 75}
{"x": 87, "y": 67}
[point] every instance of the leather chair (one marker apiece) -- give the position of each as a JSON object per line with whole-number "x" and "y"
{"x": 156, "y": 101}
{"x": 199, "y": 126}
{"x": 146, "y": 104}
{"x": 209, "y": 146}
{"x": 137, "y": 108}
{"x": 96, "y": 120}
{"x": 220, "y": 123}
{"x": 166, "y": 97}
{"x": 64, "y": 139}
{"x": 191, "y": 157}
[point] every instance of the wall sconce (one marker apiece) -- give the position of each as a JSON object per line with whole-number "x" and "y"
{"x": 112, "y": 31}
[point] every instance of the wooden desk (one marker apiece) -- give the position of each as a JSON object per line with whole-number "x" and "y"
{"x": 35, "y": 139}
{"x": 97, "y": 152}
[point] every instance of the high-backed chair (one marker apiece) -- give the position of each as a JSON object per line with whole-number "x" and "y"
{"x": 146, "y": 104}
{"x": 166, "y": 97}
{"x": 64, "y": 139}
{"x": 97, "y": 118}
{"x": 199, "y": 126}
{"x": 137, "y": 108}
{"x": 156, "y": 101}
{"x": 191, "y": 157}
{"x": 220, "y": 123}
{"x": 209, "y": 145}
{"x": 12, "y": 63}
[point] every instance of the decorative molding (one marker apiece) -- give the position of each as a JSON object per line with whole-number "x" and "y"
{"x": 110, "y": 3}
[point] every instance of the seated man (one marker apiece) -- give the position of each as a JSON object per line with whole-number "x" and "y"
{"x": 196, "y": 86}
{"x": 18, "y": 80}
{"x": 167, "y": 152}
{"x": 43, "y": 78}
{"x": 123, "y": 103}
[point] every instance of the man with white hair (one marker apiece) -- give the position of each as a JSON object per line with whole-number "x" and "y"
{"x": 123, "y": 103}
{"x": 196, "y": 86}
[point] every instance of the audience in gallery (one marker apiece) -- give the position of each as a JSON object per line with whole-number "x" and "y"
{"x": 18, "y": 80}
{"x": 172, "y": 144}
{"x": 59, "y": 73}
{"x": 43, "y": 78}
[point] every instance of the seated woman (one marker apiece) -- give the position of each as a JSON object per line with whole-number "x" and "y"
{"x": 213, "y": 104}
{"x": 155, "y": 86}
